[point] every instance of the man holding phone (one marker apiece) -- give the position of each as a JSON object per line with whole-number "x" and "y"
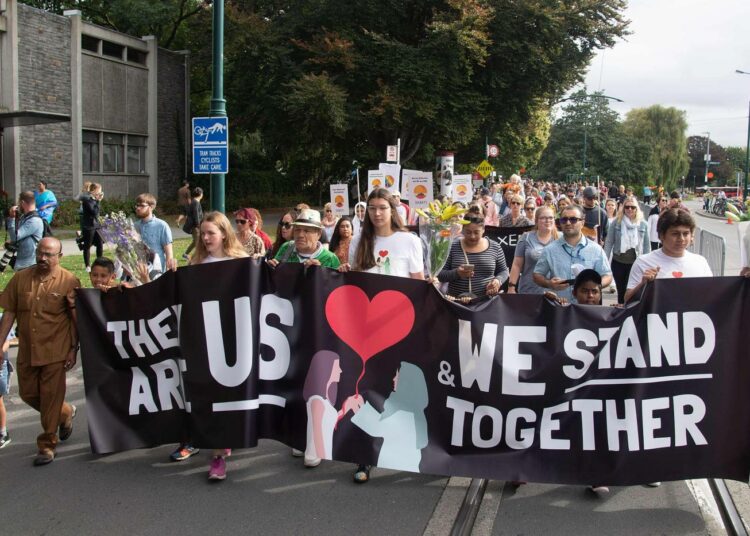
{"x": 569, "y": 255}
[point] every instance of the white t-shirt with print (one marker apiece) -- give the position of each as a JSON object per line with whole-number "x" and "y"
{"x": 399, "y": 254}
{"x": 689, "y": 265}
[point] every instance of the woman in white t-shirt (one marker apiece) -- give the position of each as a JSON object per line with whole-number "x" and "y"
{"x": 218, "y": 242}
{"x": 675, "y": 229}
{"x": 384, "y": 246}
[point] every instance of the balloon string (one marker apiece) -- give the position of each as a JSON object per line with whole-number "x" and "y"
{"x": 356, "y": 392}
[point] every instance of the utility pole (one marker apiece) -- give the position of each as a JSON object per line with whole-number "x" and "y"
{"x": 747, "y": 147}
{"x": 218, "y": 104}
{"x": 707, "y": 157}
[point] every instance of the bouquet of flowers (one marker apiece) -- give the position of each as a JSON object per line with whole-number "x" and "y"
{"x": 439, "y": 224}
{"x": 119, "y": 230}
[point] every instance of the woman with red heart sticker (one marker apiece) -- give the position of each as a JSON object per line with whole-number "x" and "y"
{"x": 385, "y": 247}
{"x": 675, "y": 227}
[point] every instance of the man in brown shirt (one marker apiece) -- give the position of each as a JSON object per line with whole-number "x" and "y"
{"x": 42, "y": 299}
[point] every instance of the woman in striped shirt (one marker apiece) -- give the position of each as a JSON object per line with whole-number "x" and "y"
{"x": 476, "y": 265}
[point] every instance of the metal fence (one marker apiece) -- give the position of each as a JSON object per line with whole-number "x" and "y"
{"x": 713, "y": 247}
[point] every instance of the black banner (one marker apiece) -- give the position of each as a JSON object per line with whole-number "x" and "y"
{"x": 383, "y": 370}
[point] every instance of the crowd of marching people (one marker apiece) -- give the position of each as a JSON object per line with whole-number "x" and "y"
{"x": 577, "y": 240}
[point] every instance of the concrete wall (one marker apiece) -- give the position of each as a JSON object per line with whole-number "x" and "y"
{"x": 172, "y": 118}
{"x": 44, "y": 84}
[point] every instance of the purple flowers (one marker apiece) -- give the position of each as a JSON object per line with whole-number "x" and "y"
{"x": 119, "y": 230}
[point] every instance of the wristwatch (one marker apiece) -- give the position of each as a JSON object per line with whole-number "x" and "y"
{"x": 512, "y": 285}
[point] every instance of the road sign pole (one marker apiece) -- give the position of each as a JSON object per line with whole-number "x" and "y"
{"x": 398, "y": 152}
{"x": 218, "y": 104}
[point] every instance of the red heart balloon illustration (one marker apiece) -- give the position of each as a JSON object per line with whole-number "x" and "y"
{"x": 369, "y": 326}
{"x": 676, "y": 274}
{"x": 383, "y": 253}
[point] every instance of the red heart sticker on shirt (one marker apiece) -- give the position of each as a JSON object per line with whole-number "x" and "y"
{"x": 676, "y": 274}
{"x": 383, "y": 252}
{"x": 369, "y": 326}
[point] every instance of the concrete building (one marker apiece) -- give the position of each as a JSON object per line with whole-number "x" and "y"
{"x": 79, "y": 102}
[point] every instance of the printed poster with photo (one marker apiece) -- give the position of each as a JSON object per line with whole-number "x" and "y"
{"x": 340, "y": 199}
{"x": 375, "y": 179}
{"x": 392, "y": 174}
{"x": 420, "y": 190}
{"x": 462, "y": 188}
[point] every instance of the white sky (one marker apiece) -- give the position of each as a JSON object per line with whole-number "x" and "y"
{"x": 683, "y": 53}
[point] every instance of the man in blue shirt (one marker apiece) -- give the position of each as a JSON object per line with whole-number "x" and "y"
{"x": 568, "y": 256}
{"x": 155, "y": 233}
{"x": 26, "y": 232}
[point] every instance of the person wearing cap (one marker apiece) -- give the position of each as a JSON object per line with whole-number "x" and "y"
{"x": 402, "y": 209}
{"x": 569, "y": 255}
{"x": 675, "y": 201}
{"x": 596, "y": 217}
{"x": 490, "y": 209}
{"x": 305, "y": 246}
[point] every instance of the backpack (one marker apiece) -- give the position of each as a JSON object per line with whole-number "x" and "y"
{"x": 46, "y": 229}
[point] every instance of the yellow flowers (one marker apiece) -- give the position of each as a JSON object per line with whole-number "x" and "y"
{"x": 444, "y": 212}
{"x": 734, "y": 214}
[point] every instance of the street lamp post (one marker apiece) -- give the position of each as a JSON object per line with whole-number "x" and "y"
{"x": 747, "y": 148}
{"x": 218, "y": 104}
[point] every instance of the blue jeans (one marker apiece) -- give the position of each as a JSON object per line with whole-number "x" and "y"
{"x": 5, "y": 370}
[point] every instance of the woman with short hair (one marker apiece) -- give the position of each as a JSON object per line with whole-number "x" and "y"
{"x": 515, "y": 218}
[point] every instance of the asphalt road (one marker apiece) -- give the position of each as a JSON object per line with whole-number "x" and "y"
{"x": 269, "y": 492}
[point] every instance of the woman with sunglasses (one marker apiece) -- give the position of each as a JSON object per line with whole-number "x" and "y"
{"x": 328, "y": 220}
{"x": 253, "y": 244}
{"x": 515, "y": 218}
{"x": 529, "y": 208}
{"x": 662, "y": 204}
{"x": 257, "y": 227}
{"x": 627, "y": 238}
{"x": 528, "y": 251}
{"x": 283, "y": 233}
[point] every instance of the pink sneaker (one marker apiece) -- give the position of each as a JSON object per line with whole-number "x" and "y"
{"x": 218, "y": 469}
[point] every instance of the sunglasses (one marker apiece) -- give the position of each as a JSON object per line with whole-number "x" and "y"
{"x": 529, "y": 208}
{"x": 630, "y": 208}
{"x": 286, "y": 225}
{"x": 515, "y": 203}
{"x": 240, "y": 222}
{"x": 570, "y": 220}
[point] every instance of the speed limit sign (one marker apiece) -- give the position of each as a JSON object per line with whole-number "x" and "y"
{"x": 493, "y": 151}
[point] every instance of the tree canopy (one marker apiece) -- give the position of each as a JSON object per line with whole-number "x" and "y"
{"x": 317, "y": 84}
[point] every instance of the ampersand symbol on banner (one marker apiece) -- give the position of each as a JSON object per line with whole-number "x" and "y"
{"x": 444, "y": 376}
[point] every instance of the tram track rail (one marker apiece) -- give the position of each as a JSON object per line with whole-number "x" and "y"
{"x": 463, "y": 524}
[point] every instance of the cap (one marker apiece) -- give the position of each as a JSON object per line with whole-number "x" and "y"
{"x": 589, "y": 192}
{"x": 308, "y": 218}
{"x": 484, "y": 191}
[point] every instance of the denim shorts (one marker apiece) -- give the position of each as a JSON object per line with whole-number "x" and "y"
{"x": 5, "y": 370}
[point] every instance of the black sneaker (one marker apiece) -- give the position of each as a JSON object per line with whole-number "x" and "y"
{"x": 4, "y": 440}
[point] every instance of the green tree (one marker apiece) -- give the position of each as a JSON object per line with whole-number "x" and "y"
{"x": 164, "y": 19}
{"x": 660, "y": 143}
{"x": 724, "y": 172}
{"x": 437, "y": 74}
{"x": 587, "y": 120}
